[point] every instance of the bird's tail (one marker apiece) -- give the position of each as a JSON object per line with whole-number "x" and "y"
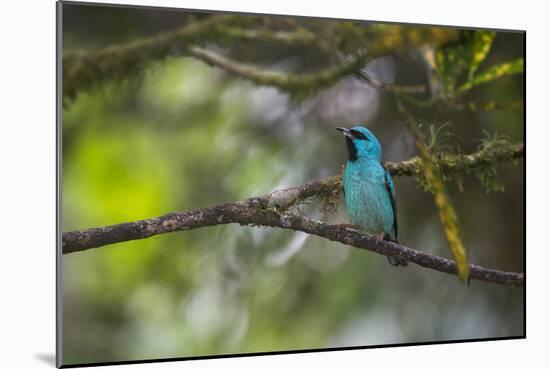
{"x": 396, "y": 260}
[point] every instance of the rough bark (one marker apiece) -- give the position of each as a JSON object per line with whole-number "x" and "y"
{"x": 261, "y": 211}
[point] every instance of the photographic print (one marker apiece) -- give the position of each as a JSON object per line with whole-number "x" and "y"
{"x": 236, "y": 184}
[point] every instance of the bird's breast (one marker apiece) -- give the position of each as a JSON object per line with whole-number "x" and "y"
{"x": 367, "y": 201}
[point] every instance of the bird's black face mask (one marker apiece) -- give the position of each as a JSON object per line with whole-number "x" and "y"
{"x": 352, "y": 150}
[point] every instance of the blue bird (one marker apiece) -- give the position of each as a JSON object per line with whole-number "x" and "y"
{"x": 368, "y": 188}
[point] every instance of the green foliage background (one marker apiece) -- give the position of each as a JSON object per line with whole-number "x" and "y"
{"x": 184, "y": 135}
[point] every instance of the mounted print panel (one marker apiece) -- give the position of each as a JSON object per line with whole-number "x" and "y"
{"x": 236, "y": 184}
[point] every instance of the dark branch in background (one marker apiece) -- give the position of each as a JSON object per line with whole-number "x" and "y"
{"x": 417, "y": 89}
{"x": 271, "y": 210}
{"x": 486, "y": 106}
{"x": 406, "y": 93}
{"x": 389, "y": 39}
{"x": 298, "y": 36}
{"x": 84, "y": 70}
{"x": 284, "y": 81}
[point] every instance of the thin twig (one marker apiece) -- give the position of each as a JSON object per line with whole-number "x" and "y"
{"x": 282, "y": 80}
{"x": 397, "y": 89}
{"x": 486, "y": 106}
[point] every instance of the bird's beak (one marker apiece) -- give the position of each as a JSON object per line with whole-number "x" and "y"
{"x": 344, "y": 131}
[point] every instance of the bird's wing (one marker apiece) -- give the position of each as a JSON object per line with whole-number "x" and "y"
{"x": 388, "y": 183}
{"x": 343, "y": 171}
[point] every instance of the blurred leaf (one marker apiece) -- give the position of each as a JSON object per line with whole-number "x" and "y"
{"x": 481, "y": 45}
{"x": 449, "y": 220}
{"x": 460, "y": 62}
{"x": 447, "y": 213}
{"x": 452, "y": 62}
{"x": 495, "y": 72}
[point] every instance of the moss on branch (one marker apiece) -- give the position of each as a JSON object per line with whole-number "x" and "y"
{"x": 82, "y": 71}
{"x": 302, "y": 84}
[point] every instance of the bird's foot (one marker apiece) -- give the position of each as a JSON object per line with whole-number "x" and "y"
{"x": 393, "y": 260}
{"x": 379, "y": 236}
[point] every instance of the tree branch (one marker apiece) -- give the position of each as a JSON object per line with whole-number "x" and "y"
{"x": 396, "y": 89}
{"x": 485, "y": 106}
{"x": 449, "y": 164}
{"x": 83, "y": 70}
{"x": 258, "y": 212}
{"x": 271, "y": 210}
{"x": 285, "y": 81}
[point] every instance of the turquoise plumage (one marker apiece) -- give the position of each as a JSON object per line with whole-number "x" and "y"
{"x": 368, "y": 188}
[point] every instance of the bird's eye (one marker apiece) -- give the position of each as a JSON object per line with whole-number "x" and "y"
{"x": 358, "y": 135}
